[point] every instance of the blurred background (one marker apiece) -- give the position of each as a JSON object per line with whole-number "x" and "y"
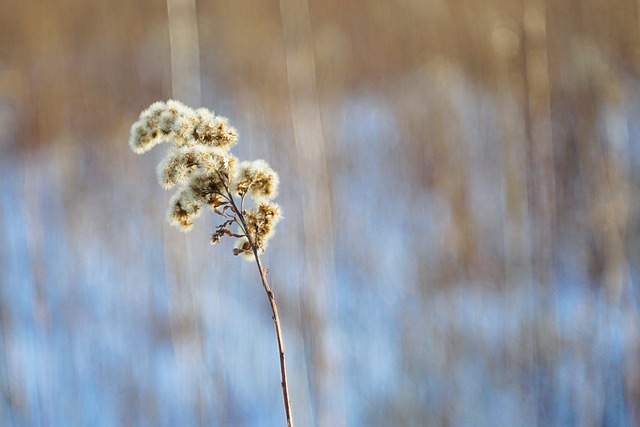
{"x": 460, "y": 184}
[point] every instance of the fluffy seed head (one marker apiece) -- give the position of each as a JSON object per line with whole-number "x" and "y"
{"x": 180, "y": 162}
{"x": 183, "y": 208}
{"x": 215, "y": 131}
{"x": 257, "y": 179}
{"x": 158, "y": 123}
{"x": 207, "y": 188}
{"x": 145, "y": 132}
{"x": 200, "y": 164}
{"x": 261, "y": 222}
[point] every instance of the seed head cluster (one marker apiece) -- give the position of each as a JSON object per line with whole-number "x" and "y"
{"x": 205, "y": 174}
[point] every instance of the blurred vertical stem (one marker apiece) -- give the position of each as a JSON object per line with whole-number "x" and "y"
{"x": 185, "y": 50}
{"x": 326, "y": 385}
{"x": 539, "y": 138}
{"x": 185, "y": 85}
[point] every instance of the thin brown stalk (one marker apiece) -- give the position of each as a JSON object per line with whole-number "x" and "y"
{"x": 200, "y": 187}
{"x": 274, "y": 310}
{"x": 276, "y": 322}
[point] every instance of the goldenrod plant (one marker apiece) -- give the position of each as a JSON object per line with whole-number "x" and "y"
{"x": 206, "y": 174}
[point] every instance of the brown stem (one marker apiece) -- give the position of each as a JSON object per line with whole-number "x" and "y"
{"x": 276, "y": 322}
{"x": 274, "y": 309}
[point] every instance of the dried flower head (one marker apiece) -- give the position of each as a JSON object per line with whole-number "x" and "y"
{"x": 200, "y": 164}
{"x": 261, "y": 222}
{"x": 214, "y": 131}
{"x": 157, "y": 123}
{"x": 257, "y": 179}
{"x": 180, "y": 162}
{"x": 184, "y": 206}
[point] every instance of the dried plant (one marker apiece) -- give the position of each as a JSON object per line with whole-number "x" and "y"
{"x": 207, "y": 175}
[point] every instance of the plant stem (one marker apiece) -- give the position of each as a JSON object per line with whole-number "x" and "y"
{"x": 272, "y": 301}
{"x": 276, "y": 322}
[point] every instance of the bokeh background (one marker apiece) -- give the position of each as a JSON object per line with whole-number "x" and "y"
{"x": 460, "y": 183}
